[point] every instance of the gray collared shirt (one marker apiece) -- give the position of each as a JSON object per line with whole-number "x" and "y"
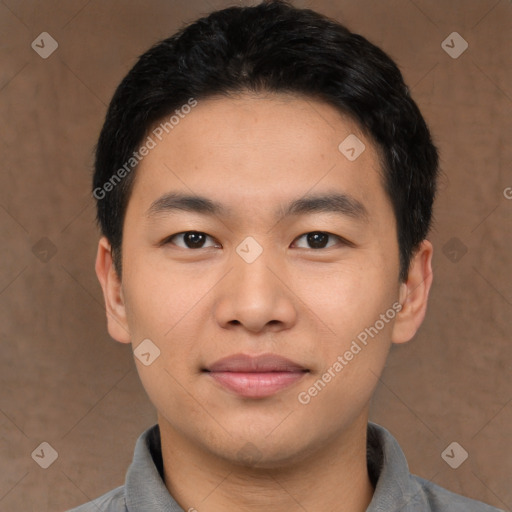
{"x": 396, "y": 489}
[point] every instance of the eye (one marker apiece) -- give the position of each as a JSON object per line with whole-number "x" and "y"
{"x": 191, "y": 239}
{"x": 318, "y": 239}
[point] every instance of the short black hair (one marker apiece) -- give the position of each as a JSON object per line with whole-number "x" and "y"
{"x": 271, "y": 47}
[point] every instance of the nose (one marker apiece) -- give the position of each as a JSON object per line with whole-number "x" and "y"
{"x": 256, "y": 296}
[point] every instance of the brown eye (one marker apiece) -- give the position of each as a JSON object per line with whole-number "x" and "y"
{"x": 318, "y": 239}
{"x": 190, "y": 239}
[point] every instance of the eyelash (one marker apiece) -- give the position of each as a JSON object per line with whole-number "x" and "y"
{"x": 343, "y": 241}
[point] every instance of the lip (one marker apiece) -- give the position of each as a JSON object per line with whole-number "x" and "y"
{"x": 255, "y": 376}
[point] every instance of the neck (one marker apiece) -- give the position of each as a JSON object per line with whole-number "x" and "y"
{"x": 331, "y": 478}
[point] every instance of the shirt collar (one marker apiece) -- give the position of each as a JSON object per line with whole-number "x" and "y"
{"x": 144, "y": 486}
{"x": 387, "y": 467}
{"x": 395, "y": 488}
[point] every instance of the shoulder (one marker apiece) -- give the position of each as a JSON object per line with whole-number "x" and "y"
{"x": 443, "y": 500}
{"x": 398, "y": 489}
{"x": 112, "y": 501}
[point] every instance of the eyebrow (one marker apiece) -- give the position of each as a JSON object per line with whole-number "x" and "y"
{"x": 336, "y": 202}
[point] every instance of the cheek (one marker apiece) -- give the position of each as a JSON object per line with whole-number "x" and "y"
{"x": 160, "y": 307}
{"x": 344, "y": 300}
{"x": 157, "y": 298}
{"x": 353, "y": 361}
{"x": 352, "y": 340}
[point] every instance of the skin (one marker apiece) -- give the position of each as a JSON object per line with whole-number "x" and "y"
{"x": 254, "y": 154}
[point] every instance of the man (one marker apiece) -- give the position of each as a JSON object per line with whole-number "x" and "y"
{"x": 264, "y": 185}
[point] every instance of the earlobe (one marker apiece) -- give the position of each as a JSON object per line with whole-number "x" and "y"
{"x": 414, "y": 295}
{"x": 112, "y": 293}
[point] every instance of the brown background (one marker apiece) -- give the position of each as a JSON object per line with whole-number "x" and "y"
{"x": 64, "y": 381}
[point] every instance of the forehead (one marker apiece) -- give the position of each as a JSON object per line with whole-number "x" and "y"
{"x": 251, "y": 149}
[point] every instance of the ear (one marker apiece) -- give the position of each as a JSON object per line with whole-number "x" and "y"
{"x": 414, "y": 295}
{"x": 112, "y": 293}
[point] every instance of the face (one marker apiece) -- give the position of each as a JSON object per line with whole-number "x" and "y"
{"x": 296, "y": 257}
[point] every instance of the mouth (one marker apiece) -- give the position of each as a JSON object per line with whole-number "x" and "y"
{"x": 255, "y": 376}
